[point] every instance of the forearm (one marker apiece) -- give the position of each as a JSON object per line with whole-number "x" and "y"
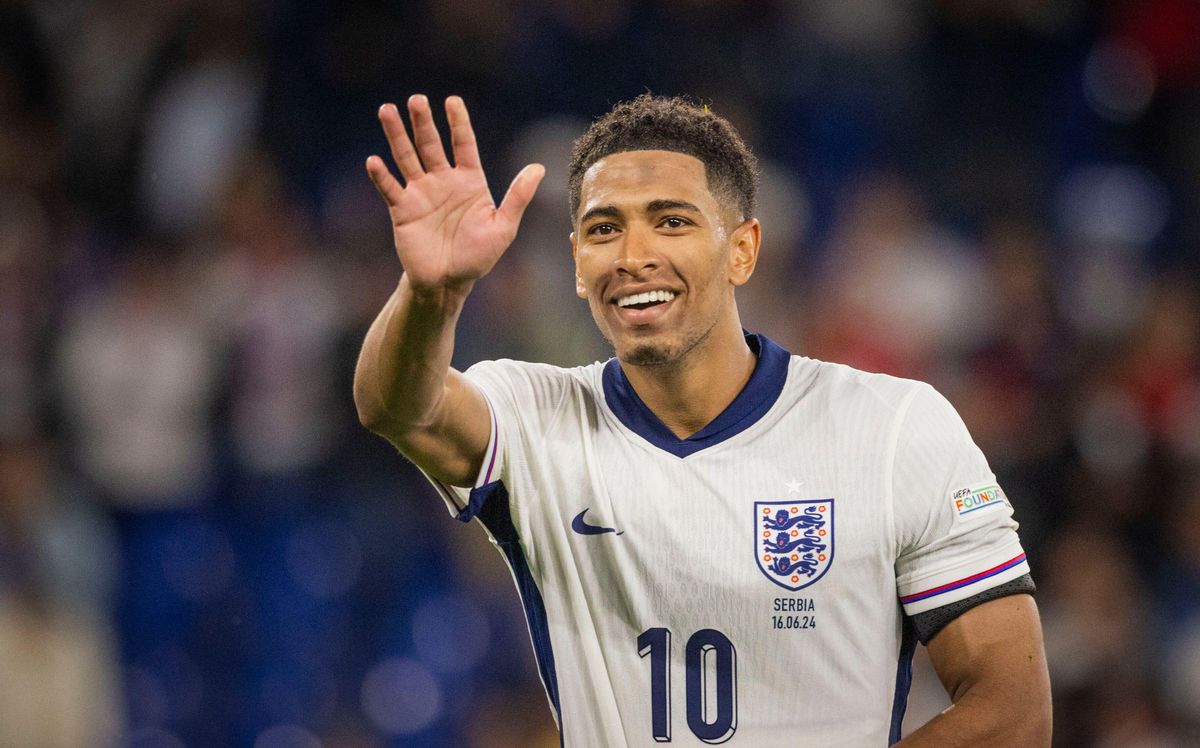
{"x": 400, "y": 379}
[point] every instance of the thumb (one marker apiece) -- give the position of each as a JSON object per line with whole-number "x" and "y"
{"x": 520, "y": 193}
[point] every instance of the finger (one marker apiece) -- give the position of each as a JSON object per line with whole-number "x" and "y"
{"x": 520, "y": 193}
{"x": 429, "y": 142}
{"x": 462, "y": 135}
{"x": 402, "y": 148}
{"x": 387, "y": 186}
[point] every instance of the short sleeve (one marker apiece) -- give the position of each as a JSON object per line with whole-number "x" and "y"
{"x": 521, "y": 398}
{"x": 955, "y": 532}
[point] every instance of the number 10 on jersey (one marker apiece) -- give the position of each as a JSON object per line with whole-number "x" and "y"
{"x": 710, "y": 662}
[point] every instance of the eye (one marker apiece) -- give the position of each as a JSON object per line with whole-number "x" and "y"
{"x": 601, "y": 229}
{"x": 674, "y": 222}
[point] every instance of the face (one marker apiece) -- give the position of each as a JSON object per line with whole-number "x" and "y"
{"x": 657, "y": 256}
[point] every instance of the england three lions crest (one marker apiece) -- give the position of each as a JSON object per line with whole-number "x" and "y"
{"x": 793, "y": 541}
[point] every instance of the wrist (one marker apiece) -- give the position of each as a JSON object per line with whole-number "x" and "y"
{"x": 447, "y": 297}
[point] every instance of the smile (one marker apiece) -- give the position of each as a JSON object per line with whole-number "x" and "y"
{"x": 645, "y": 299}
{"x": 644, "y": 308}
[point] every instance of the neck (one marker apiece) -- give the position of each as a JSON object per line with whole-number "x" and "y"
{"x": 689, "y": 394}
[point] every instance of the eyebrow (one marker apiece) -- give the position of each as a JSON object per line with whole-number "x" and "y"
{"x": 602, "y": 211}
{"x": 657, "y": 206}
{"x": 654, "y": 206}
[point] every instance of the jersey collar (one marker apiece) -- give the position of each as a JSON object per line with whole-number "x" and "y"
{"x": 751, "y": 404}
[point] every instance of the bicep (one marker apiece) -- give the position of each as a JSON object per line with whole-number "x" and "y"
{"x": 995, "y": 651}
{"x": 452, "y": 446}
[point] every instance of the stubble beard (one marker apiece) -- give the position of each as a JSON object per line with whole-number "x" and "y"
{"x": 649, "y": 355}
{"x": 664, "y": 353}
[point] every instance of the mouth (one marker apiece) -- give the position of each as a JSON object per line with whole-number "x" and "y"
{"x": 644, "y": 307}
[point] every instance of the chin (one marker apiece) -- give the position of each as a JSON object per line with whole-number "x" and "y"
{"x": 652, "y": 350}
{"x": 661, "y": 349}
{"x": 647, "y": 354}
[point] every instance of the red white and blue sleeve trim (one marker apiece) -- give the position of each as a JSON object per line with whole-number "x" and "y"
{"x": 489, "y": 471}
{"x": 962, "y": 588}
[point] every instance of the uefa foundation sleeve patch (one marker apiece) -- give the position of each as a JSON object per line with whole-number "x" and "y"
{"x": 976, "y": 500}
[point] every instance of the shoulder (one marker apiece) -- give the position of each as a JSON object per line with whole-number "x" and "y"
{"x": 530, "y": 371}
{"x": 526, "y": 383}
{"x": 845, "y": 388}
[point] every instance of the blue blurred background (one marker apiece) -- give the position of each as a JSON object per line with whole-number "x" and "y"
{"x": 200, "y": 546}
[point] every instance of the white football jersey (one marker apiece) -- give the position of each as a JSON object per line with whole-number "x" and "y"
{"x": 745, "y": 585}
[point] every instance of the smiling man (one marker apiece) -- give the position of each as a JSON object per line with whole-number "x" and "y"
{"x": 714, "y": 540}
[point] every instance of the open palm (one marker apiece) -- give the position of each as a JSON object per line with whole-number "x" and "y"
{"x": 448, "y": 231}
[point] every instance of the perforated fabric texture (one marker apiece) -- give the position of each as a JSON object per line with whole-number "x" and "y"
{"x": 929, "y": 623}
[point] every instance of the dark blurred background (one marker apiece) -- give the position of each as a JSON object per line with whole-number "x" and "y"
{"x": 199, "y": 546}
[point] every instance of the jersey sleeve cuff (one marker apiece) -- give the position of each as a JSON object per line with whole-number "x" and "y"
{"x": 931, "y": 622}
{"x": 962, "y": 582}
{"x": 458, "y": 498}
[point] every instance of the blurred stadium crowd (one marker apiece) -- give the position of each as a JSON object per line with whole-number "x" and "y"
{"x": 200, "y": 546}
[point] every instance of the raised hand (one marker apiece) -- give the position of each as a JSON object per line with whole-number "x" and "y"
{"x": 448, "y": 231}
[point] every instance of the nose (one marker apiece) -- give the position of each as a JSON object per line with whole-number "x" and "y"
{"x": 636, "y": 255}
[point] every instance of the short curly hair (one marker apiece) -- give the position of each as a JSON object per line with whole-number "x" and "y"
{"x": 670, "y": 123}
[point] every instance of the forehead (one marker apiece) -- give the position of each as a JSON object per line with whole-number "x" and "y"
{"x": 636, "y": 177}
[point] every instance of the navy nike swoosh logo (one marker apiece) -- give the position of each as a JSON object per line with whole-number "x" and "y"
{"x": 583, "y": 528}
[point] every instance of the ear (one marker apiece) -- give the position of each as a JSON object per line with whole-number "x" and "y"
{"x": 580, "y": 290}
{"x": 744, "y": 256}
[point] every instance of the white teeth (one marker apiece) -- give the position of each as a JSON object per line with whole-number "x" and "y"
{"x": 645, "y": 297}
